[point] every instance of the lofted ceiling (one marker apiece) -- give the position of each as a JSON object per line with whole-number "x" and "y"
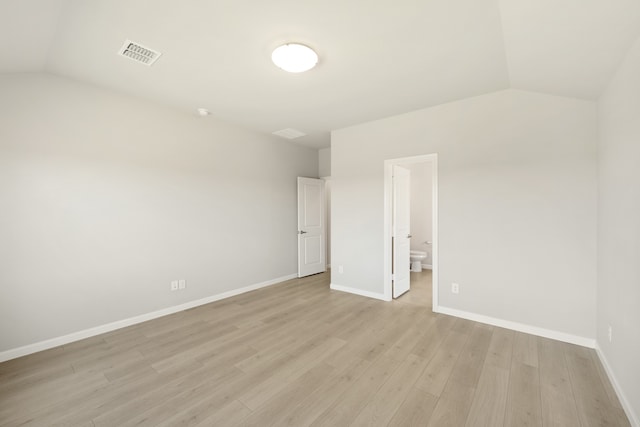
{"x": 377, "y": 57}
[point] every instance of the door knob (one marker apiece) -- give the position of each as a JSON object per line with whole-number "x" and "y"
{"x": 408, "y": 236}
{"x": 302, "y": 232}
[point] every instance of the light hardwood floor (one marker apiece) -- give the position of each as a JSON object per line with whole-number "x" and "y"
{"x": 298, "y": 354}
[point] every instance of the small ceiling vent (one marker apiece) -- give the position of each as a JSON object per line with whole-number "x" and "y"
{"x": 289, "y": 133}
{"x": 139, "y": 53}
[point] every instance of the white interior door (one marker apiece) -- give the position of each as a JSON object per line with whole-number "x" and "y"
{"x": 401, "y": 230}
{"x": 311, "y": 237}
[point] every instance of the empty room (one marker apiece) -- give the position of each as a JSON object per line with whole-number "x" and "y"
{"x": 336, "y": 213}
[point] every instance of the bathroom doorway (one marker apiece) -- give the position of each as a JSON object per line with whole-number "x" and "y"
{"x": 424, "y": 229}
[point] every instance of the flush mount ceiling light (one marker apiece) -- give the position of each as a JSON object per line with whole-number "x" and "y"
{"x": 294, "y": 58}
{"x": 203, "y": 112}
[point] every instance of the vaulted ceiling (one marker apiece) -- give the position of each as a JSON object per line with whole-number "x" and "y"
{"x": 377, "y": 57}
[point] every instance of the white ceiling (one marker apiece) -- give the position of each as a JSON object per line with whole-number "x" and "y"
{"x": 377, "y": 57}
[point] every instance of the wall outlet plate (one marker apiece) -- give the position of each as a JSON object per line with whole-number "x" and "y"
{"x": 174, "y": 285}
{"x": 182, "y": 284}
{"x": 455, "y": 288}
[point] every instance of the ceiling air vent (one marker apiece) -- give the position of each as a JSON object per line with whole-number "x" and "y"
{"x": 139, "y": 53}
{"x": 289, "y": 133}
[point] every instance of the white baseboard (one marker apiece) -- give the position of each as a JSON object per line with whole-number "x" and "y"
{"x": 87, "y": 333}
{"x": 358, "y": 292}
{"x": 628, "y": 409}
{"x": 521, "y": 327}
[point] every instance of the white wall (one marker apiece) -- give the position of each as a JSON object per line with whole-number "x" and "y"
{"x": 421, "y": 206}
{"x": 106, "y": 199}
{"x": 619, "y": 229}
{"x": 324, "y": 162}
{"x": 517, "y": 205}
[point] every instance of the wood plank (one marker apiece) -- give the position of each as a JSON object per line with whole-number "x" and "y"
{"x": 556, "y": 394}
{"x": 273, "y": 410}
{"x": 592, "y": 402}
{"x": 157, "y": 398}
{"x": 434, "y": 378}
{"x": 352, "y": 401}
{"x": 35, "y": 406}
{"x": 183, "y": 398}
{"x": 320, "y": 399}
{"x": 451, "y": 412}
{"x": 297, "y": 365}
{"x": 427, "y": 345}
{"x": 416, "y": 409}
{"x": 490, "y": 398}
{"x": 500, "y": 348}
{"x": 299, "y": 354}
{"x": 525, "y": 349}
{"x": 455, "y": 400}
{"x": 384, "y": 404}
{"x": 470, "y": 362}
{"x": 608, "y": 387}
{"x": 524, "y": 407}
{"x": 229, "y": 415}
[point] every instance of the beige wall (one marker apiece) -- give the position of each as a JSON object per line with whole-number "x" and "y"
{"x": 106, "y": 199}
{"x": 619, "y": 229}
{"x": 517, "y": 205}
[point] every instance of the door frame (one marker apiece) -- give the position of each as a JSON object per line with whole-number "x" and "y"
{"x": 388, "y": 221}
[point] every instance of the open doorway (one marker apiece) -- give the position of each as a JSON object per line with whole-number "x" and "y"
{"x": 424, "y": 169}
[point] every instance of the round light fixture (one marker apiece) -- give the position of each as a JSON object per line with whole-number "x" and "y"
{"x": 294, "y": 58}
{"x": 203, "y": 112}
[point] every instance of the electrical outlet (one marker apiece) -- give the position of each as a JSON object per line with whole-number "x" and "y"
{"x": 610, "y": 332}
{"x": 174, "y": 285}
{"x": 340, "y": 269}
{"x": 455, "y": 288}
{"x": 182, "y": 284}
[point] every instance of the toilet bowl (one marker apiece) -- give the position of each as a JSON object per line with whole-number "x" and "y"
{"x": 416, "y": 260}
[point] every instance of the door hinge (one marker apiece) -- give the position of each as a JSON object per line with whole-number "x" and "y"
{"x": 393, "y": 277}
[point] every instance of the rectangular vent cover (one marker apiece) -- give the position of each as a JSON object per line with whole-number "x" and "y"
{"x": 289, "y": 133}
{"x": 139, "y": 53}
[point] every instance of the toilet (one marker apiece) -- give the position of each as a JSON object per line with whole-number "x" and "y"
{"x": 416, "y": 260}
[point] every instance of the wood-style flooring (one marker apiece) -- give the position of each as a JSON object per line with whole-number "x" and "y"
{"x": 299, "y": 354}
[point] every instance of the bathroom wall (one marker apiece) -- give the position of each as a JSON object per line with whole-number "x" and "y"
{"x": 108, "y": 198}
{"x": 421, "y": 209}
